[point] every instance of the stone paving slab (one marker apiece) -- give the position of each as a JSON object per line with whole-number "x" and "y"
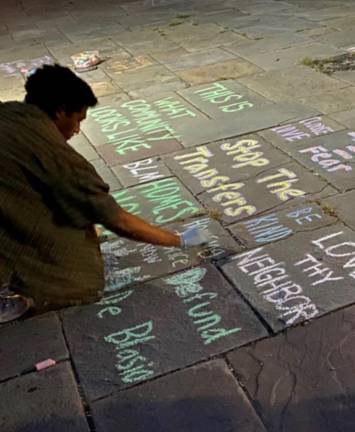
{"x": 163, "y": 55}
{"x": 11, "y": 95}
{"x": 12, "y": 72}
{"x": 223, "y": 98}
{"x": 270, "y": 227}
{"x": 134, "y": 128}
{"x": 204, "y": 397}
{"x": 285, "y": 135}
{"x": 213, "y": 8}
{"x": 40, "y": 338}
{"x": 299, "y": 278}
{"x": 230, "y": 69}
{"x": 128, "y": 262}
{"x": 222, "y": 39}
{"x": 138, "y": 35}
{"x": 292, "y": 56}
{"x": 9, "y": 82}
{"x": 154, "y": 89}
{"x": 272, "y": 188}
{"x": 314, "y": 33}
{"x": 237, "y": 22}
{"x": 206, "y": 167}
{"x": 340, "y": 39}
{"x": 119, "y": 64}
{"x": 107, "y": 174}
{"x": 331, "y": 156}
{"x": 114, "y": 99}
{"x": 201, "y": 58}
{"x": 143, "y": 38}
{"x": 133, "y": 7}
{"x": 80, "y": 31}
{"x": 221, "y": 18}
{"x": 56, "y": 41}
{"x": 254, "y": 26}
{"x": 133, "y": 147}
{"x": 140, "y": 80}
{"x": 95, "y": 75}
{"x": 251, "y": 120}
{"x": 342, "y": 205}
{"x": 272, "y": 29}
{"x": 54, "y": 19}
{"x": 187, "y": 31}
{"x": 291, "y": 83}
{"x": 208, "y": 7}
{"x": 327, "y": 192}
{"x": 303, "y": 379}
{"x": 333, "y": 100}
{"x": 135, "y": 125}
{"x": 42, "y": 401}
{"x": 347, "y": 76}
{"x": 149, "y": 47}
{"x": 327, "y": 13}
{"x": 272, "y": 8}
{"x": 142, "y": 171}
{"x": 104, "y": 88}
{"x": 144, "y": 19}
{"x": 160, "y": 201}
{"x": 81, "y": 144}
{"x": 129, "y": 339}
{"x": 19, "y": 52}
{"x": 341, "y": 23}
{"x": 105, "y": 46}
{"x": 268, "y": 44}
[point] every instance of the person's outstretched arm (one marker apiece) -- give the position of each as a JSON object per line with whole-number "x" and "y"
{"x": 133, "y": 227}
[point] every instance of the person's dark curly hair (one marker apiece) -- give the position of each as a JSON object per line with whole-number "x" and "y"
{"x": 55, "y": 87}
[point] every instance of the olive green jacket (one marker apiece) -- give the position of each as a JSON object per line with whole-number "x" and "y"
{"x": 50, "y": 197}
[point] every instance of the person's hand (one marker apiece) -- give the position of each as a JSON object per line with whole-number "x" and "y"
{"x": 194, "y": 237}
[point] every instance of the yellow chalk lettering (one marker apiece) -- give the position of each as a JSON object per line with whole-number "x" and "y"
{"x": 214, "y": 181}
{"x": 248, "y": 209}
{"x": 225, "y": 195}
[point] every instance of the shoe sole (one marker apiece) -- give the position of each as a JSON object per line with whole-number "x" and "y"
{"x": 29, "y": 304}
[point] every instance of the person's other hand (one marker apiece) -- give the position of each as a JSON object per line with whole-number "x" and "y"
{"x": 194, "y": 237}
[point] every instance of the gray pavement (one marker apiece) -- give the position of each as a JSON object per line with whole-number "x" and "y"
{"x": 209, "y": 115}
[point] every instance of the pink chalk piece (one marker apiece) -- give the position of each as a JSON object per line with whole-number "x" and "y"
{"x": 45, "y": 364}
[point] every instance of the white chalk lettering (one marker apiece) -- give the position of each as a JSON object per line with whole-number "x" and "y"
{"x": 304, "y": 214}
{"x": 144, "y": 170}
{"x": 275, "y": 286}
{"x": 316, "y": 268}
{"x": 282, "y": 187}
{"x": 290, "y": 133}
{"x": 340, "y": 250}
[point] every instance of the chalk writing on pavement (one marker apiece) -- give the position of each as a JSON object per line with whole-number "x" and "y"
{"x": 299, "y": 278}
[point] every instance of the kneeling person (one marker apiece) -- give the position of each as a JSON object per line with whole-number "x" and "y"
{"x": 50, "y": 199}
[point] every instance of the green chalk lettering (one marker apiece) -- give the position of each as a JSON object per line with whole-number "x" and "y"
{"x": 137, "y": 376}
{"x": 192, "y": 313}
{"x": 188, "y": 287}
{"x": 209, "y": 321}
{"x": 184, "y": 212}
{"x": 131, "y": 143}
{"x": 212, "y": 335}
{"x": 173, "y": 108}
{"x": 131, "y": 336}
